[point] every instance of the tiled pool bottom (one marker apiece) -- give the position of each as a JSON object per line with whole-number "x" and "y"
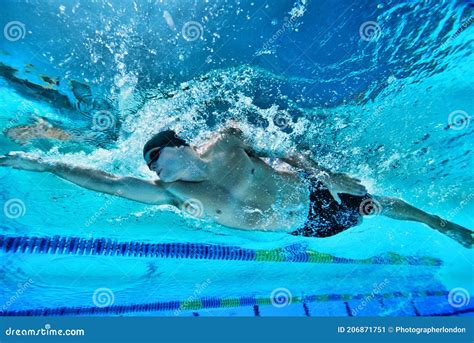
{"x": 435, "y": 303}
{"x": 417, "y": 295}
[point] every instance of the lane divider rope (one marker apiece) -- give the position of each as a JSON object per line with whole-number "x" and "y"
{"x": 213, "y": 303}
{"x": 107, "y": 247}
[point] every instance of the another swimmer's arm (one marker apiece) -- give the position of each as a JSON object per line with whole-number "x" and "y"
{"x": 126, "y": 187}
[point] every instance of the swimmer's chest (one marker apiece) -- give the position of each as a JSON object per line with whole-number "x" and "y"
{"x": 242, "y": 192}
{"x": 234, "y": 180}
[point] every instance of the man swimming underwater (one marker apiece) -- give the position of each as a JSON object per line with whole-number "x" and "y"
{"x": 230, "y": 184}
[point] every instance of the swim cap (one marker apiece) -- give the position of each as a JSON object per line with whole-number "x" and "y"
{"x": 159, "y": 141}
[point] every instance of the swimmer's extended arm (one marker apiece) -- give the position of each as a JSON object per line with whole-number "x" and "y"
{"x": 126, "y": 187}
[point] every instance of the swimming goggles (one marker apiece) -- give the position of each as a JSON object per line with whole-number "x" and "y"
{"x": 152, "y": 156}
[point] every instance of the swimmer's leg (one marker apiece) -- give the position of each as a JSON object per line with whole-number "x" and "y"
{"x": 398, "y": 209}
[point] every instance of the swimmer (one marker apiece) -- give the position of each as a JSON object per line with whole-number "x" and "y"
{"x": 41, "y": 128}
{"x": 232, "y": 185}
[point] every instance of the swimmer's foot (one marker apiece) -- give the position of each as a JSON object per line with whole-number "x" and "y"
{"x": 399, "y": 209}
{"x": 458, "y": 233}
{"x": 39, "y": 129}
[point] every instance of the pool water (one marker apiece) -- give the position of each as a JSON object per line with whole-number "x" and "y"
{"x": 379, "y": 90}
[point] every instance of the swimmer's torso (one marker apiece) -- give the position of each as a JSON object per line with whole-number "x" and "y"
{"x": 244, "y": 192}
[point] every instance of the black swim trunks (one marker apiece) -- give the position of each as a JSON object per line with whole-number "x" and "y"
{"x": 327, "y": 218}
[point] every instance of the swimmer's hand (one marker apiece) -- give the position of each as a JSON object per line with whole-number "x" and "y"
{"x": 232, "y": 127}
{"x": 23, "y": 161}
{"x": 341, "y": 183}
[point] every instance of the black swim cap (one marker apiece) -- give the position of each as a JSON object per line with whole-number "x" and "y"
{"x": 163, "y": 139}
